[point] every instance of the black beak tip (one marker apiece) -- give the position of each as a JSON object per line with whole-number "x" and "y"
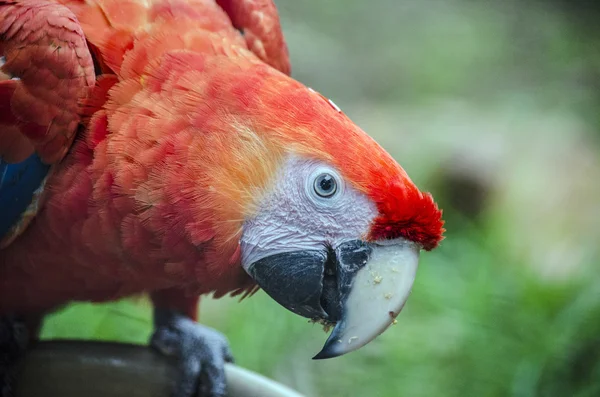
{"x": 324, "y": 354}
{"x": 328, "y": 351}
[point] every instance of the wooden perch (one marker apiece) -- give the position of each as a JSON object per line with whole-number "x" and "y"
{"x": 100, "y": 369}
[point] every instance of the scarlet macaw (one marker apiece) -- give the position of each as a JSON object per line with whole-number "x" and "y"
{"x": 160, "y": 146}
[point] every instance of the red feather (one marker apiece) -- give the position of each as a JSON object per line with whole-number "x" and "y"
{"x": 45, "y": 48}
{"x": 179, "y": 145}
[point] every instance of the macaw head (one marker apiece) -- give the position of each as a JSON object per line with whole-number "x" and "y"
{"x": 335, "y": 232}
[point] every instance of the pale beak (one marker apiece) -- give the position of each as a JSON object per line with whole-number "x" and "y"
{"x": 378, "y": 294}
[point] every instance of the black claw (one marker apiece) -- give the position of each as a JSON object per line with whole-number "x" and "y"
{"x": 201, "y": 353}
{"x": 13, "y": 342}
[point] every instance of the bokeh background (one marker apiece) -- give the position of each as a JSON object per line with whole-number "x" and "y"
{"x": 493, "y": 106}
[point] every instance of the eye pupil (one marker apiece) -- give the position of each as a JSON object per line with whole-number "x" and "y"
{"x": 325, "y": 185}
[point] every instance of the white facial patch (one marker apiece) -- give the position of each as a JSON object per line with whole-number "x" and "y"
{"x": 295, "y": 217}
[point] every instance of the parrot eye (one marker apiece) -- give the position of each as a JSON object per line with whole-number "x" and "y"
{"x": 325, "y": 185}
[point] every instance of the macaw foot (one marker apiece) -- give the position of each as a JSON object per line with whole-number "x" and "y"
{"x": 14, "y": 337}
{"x": 201, "y": 353}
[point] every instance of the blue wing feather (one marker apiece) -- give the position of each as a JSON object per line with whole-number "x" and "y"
{"x": 18, "y": 182}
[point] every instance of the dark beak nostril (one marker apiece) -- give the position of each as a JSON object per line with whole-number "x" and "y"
{"x": 331, "y": 263}
{"x": 330, "y": 298}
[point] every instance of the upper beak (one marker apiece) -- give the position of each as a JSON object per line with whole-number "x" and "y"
{"x": 360, "y": 286}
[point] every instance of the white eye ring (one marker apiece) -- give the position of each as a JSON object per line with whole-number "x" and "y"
{"x": 325, "y": 185}
{"x": 329, "y": 193}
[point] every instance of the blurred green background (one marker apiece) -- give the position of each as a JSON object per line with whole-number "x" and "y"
{"x": 493, "y": 107}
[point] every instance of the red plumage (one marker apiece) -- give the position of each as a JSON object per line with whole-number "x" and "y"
{"x": 182, "y": 134}
{"x": 45, "y": 47}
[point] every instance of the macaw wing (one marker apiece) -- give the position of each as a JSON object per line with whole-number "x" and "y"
{"x": 46, "y": 70}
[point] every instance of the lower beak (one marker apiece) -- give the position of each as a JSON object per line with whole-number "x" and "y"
{"x": 359, "y": 286}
